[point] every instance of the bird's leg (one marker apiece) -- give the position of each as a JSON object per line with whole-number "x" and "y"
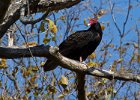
{"x": 81, "y": 60}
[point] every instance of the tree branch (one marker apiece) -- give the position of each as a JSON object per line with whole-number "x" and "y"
{"x": 16, "y": 52}
{"x": 52, "y": 53}
{"x": 13, "y": 10}
{"x": 4, "y": 4}
{"x": 81, "y": 94}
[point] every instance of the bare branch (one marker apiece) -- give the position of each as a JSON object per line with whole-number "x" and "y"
{"x": 52, "y": 53}
{"x": 13, "y": 12}
{"x": 127, "y": 15}
{"x": 113, "y": 17}
{"x": 34, "y": 21}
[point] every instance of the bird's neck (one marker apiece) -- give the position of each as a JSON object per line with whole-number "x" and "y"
{"x": 93, "y": 29}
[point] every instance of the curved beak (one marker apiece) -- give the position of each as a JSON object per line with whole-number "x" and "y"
{"x": 88, "y": 24}
{"x": 102, "y": 27}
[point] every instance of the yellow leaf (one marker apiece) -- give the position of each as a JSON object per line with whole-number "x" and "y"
{"x": 60, "y": 36}
{"x": 85, "y": 23}
{"x": 63, "y": 81}
{"x": 35, "y": 85}
{"x": 101, "y": 12}
{"x": 35, "y": 68}
{"x": 120, "y": 60}
{"x": 35, "y": 93}
{"x": 61, "y": 96}
{"x": 89, "y": 93}
{"x": 122, "y": 69}
{"x": 26, "y": 72}
{"x": 66, "y": 91}
{"x": 62, "y": 17}
{"x": 111, "y": 45}
{"x": 138, "y": 58}
{"x": 46, "y": 40}
{"x": 3, "y": 63}
{"x": 71, "y": 77}
{"x": 113, "y": 68}
{"x": 25, "y": 97}
{"x": 53, "y": 38}
{"x": 92, "y": 56}
{"x": 42, "y": 63}
{"x": 30, "y": 44}
{"x": 42, "y": 27}
{"x": 102, "y": 27}
{"x": 53, "y": 82}
{"x": 28, "y": 90}
{"x": 52, "y": 27}
{"x": 32, "y": 79}
{"x": 51, "y": 89}
{"x": 92, "y": 64}
{"x": 136, "y": 45}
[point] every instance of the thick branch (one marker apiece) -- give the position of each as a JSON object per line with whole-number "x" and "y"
{"x": 4, "y": 4}
{"x": 81, "y": 94}
{"x": 13, "y": 10}
{"x": 51, "y": 52}
{"x": 11, "y": 16}
{"x": 37, "y": 51}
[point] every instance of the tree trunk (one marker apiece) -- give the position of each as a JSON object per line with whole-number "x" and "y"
{"x": 81, "y": 94}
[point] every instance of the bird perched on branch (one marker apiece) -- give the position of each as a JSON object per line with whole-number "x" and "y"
{"x": 79, "y": 45}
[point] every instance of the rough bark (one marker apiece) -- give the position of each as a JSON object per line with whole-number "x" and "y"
{"x": 4, "y": 4}
{"x": 12, "y": 10}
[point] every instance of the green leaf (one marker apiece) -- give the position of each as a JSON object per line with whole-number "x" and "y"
{"x": 35, "y": 94}
{"x": 42, "y": 28}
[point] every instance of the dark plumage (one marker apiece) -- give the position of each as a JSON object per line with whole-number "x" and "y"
{"x": 80, "y": 44}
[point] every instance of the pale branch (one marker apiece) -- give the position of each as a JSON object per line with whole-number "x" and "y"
{"x": 53, "y": 53}
{"x": 13, "y": 9}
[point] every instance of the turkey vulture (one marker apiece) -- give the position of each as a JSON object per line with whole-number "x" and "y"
{"x": 79, "y": 44}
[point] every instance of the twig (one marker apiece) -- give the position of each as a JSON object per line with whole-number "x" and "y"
{"x": 127, "y": 16}
{"x": 114, "y": 20}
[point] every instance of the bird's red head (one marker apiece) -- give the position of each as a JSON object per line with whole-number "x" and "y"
{"x": 92, "y": 21}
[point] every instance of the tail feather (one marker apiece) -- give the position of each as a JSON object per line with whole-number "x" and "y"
{"x": 49, "y": 65}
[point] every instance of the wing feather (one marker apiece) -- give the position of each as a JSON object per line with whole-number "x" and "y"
{"x": 76, "y": 40}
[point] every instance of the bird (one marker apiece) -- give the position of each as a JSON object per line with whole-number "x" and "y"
{"x": 79, "y": 45}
